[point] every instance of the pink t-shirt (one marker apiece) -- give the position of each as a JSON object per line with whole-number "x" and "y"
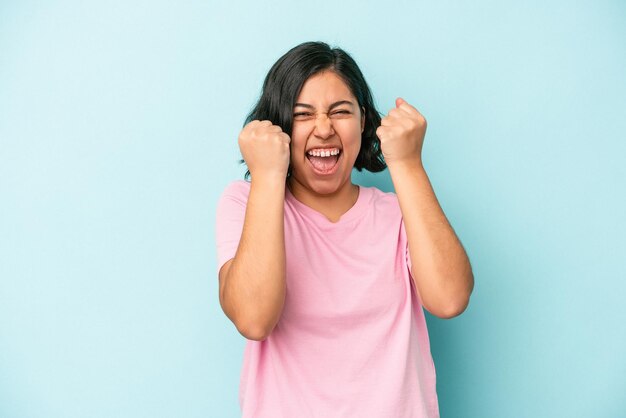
{"x": 352, "y": 339}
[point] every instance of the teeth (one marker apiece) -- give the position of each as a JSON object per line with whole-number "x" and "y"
{"x": 323, "y": 153}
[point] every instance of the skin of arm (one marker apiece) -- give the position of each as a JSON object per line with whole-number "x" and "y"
{"x": 440, "y": 266}
{"x": 252, "y": 284}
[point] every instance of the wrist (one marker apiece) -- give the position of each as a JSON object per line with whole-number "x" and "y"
{"x": 406, "y": 165}
{"x": 269, "y": 179}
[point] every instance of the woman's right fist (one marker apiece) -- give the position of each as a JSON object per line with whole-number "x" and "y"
{"x": 265, "y": 148}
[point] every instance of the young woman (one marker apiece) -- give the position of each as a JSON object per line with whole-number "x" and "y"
{"x": 327, "y": 279}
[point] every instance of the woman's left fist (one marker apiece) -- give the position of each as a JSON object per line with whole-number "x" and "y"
{"x": 401, "y": 133}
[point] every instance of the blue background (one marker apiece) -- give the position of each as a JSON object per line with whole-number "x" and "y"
{"x": 118, "y": 128}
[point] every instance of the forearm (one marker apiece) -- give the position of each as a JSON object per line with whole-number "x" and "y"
{"x": 440, "y": 266}
{"x": 254, "y": 286}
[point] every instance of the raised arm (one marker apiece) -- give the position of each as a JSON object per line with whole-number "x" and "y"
{"x": 252, "y": 284}
{"x": 440, "y": 266}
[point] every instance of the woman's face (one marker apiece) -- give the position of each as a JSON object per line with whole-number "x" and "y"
{"x": 326, "y": 135}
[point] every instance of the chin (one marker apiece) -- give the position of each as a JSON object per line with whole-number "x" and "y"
{"x": 326, "y": 186}
{"x": 325, "y": 189}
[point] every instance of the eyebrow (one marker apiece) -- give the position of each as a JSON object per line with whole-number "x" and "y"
{"x": 332, "y": 106}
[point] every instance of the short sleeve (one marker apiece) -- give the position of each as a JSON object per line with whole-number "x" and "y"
{"x": 230, "y": 214}
{"x": 409, "y": 265}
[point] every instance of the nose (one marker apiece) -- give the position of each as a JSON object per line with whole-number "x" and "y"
{"x": 323, "y": 126}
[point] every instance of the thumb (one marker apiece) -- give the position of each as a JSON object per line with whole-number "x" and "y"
{"x": 399, "y": 101}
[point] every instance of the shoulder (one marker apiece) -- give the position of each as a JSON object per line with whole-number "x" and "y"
{"x": 233, "y": 199}
{"x": 381, "y": 201}
{"x": 237, "y": 190}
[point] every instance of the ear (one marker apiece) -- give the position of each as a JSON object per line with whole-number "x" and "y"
{"x": 362, "y": 119}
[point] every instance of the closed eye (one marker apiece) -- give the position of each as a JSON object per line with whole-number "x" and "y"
{"x": 302, "y": 115}
{"x": 341, "y": 113}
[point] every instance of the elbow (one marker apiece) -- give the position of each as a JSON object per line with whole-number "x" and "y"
{"x": 254, "y": 325}
{"x": 447, "y": 295}
{"x": 452, "y": 305}
{"x": 449, "y": 310}
{"x": 254, "y": 321}
{"x": 257, "y": 324}
{"x": 255, "y": 332}
{"x": 250, "y": 325}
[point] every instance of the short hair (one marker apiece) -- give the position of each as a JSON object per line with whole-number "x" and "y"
{"x": 284, "y": 82}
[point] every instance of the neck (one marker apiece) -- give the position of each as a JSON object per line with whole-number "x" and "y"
{"x": 331, "y": 205}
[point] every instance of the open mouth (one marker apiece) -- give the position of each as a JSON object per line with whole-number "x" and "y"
{"x": 324, "y": 160}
